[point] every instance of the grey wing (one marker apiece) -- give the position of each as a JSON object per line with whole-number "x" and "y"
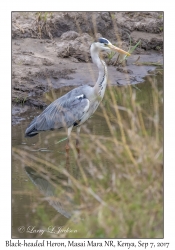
{"x": 61, "y": 113}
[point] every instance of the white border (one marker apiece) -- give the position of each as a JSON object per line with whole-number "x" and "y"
{"x": 169, "y": 94}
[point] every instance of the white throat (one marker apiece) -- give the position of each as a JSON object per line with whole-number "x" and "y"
{"x": 101, "y": 83}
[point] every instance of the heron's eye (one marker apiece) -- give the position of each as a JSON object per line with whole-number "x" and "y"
{"x": 105, "y": 44}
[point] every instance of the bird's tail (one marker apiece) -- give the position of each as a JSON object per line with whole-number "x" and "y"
{"x": 31, "y": 130}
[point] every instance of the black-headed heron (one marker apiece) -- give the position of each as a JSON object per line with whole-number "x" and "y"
{"x": 75, "y": 107}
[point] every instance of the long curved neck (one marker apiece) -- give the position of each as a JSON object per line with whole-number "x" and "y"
{"x": 101, "y": 83}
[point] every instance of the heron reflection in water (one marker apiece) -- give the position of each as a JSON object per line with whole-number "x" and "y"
{"x": 46, "y": 187}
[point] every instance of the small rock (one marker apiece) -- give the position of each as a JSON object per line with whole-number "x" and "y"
{"x": 126, "y": 71}
{"x": 73, "y": 59}
{"x": 69, "y": 35}
{"x": 47, "y": 62}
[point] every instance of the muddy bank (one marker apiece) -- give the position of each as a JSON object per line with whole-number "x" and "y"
{"x": 51, "y": 50}
{"x": 109, "y": 24}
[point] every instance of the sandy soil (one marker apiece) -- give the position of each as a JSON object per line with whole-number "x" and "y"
{"x": 51, "y": 50}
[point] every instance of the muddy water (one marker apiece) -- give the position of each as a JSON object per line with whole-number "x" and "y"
{"x": 41, "y": 198}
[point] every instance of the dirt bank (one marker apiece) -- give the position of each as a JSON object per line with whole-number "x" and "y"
{"x": 51, "y": 50}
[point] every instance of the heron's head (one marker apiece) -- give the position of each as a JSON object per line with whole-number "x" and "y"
{"x": 104, "y": 44}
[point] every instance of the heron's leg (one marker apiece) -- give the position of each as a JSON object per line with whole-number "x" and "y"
{"x": 77, "y": 139}
{"x": 68, "y": 138}
{"x": 67, "y": 164}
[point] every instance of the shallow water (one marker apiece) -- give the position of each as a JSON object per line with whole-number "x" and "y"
{"x": 39, "y": 192}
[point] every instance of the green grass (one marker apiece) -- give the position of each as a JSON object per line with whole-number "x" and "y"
{"x": 148, "y": 63}
{"x": 20, "y": 99}
{"x": 44, "y": 16}
{"x": 42, "y": 28}
{"x": 131, "y": 49}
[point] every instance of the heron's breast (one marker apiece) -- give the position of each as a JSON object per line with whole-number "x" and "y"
{"x": 89, "y": 113}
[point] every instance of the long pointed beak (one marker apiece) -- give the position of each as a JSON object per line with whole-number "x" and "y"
{"x": 118, "y": 50}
